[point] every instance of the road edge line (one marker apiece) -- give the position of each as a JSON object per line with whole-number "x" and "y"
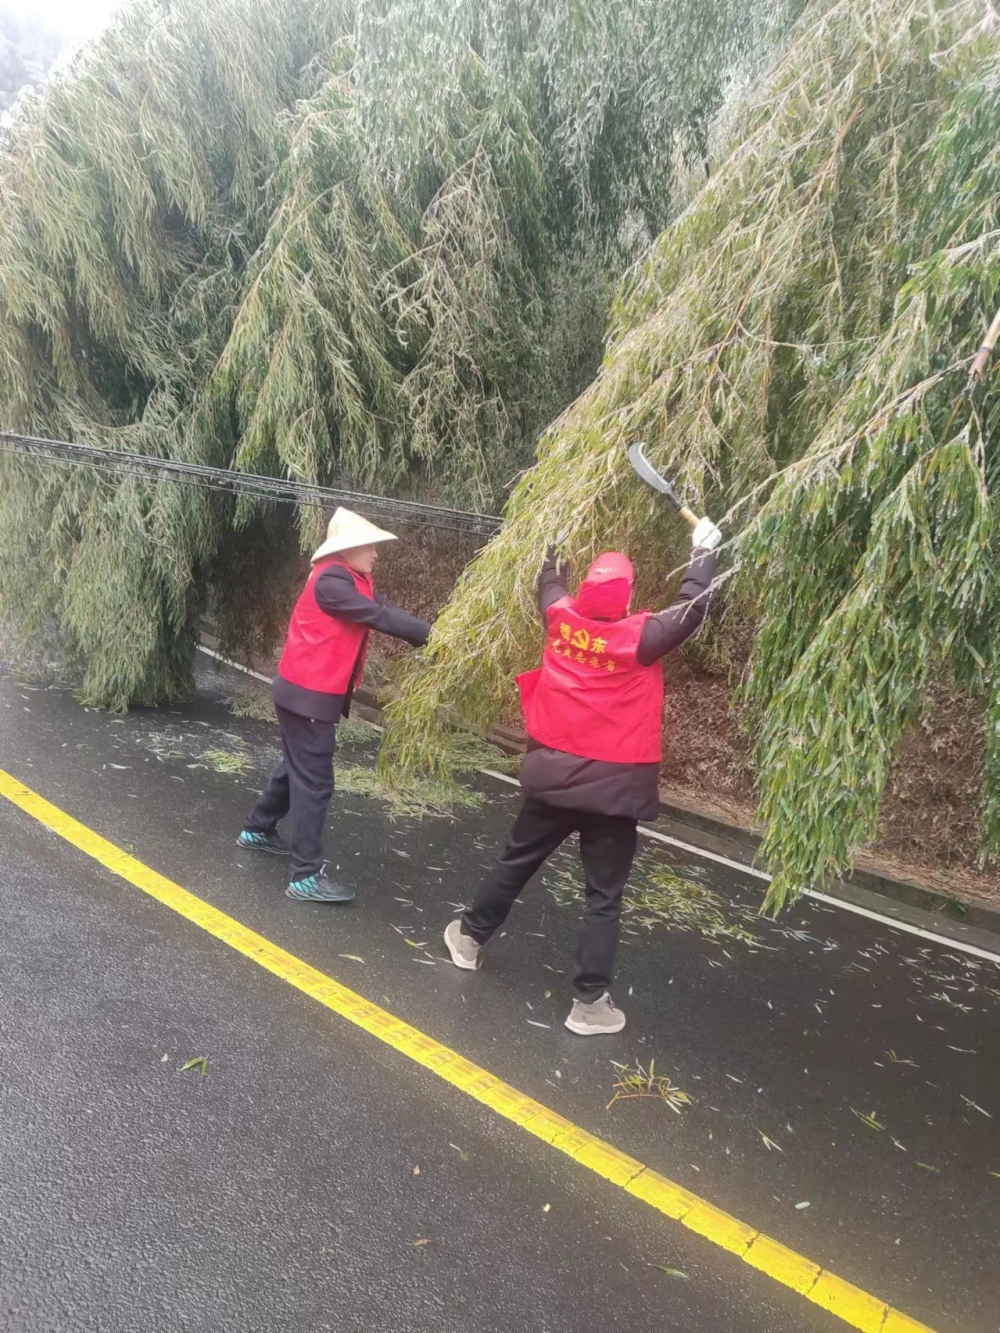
{"x": 894, "y": 923}
{"x": 849, "y": 1303}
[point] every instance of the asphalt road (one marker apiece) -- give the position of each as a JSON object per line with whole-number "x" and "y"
{"x": 831, "y": 1061}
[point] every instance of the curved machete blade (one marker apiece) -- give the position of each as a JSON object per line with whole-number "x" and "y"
{"x": 649, "y": 474}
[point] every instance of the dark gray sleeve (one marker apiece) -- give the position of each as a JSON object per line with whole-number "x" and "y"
{"x": 337, "y": 596}
{"x": 668, "y": 630}
{"x": 552, "y": 581}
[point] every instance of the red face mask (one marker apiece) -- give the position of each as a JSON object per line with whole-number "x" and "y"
{"x": 606, "y": 591}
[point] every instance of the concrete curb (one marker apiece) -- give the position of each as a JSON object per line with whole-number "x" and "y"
{"x": 917, "y": 904}
{"x": 952, "y": 915}
{"x": 957, "y": 918}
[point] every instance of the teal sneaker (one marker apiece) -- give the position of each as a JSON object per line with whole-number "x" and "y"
{"x": 318, "y": 889}
{"x": 262, "y": 842}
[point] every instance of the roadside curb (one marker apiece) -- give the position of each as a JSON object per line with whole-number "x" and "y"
{"x": 958, "y": 918}
{"x": 961, "y": 919}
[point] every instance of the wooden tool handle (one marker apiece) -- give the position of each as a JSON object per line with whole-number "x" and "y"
{"x": 985, "y": 350}
{"x": 688, "y": 516}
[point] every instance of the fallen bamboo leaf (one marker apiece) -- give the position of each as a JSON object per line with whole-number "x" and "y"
{"x": 352, "y": 956}
{"x": 869, "y": 1119}
{"x": 975, "y": 1106}
{"x": 199, "y": 1062}
{"x": 638, "y": 1082}
{"x": 671, "y": 1272}
{"x": 898, "y": 1060}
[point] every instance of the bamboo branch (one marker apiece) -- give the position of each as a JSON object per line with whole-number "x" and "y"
{"x": 985, "y": 351}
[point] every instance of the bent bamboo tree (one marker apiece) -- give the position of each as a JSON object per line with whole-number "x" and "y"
{"x": 795, "y": 350}
{"x": 363, "y": 244}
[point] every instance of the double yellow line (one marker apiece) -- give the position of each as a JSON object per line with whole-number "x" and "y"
{"x": 849, "y": 1303}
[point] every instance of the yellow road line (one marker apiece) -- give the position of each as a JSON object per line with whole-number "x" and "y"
{"x": 854, "y": 1306}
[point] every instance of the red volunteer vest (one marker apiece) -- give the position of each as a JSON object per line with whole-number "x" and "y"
{"x": 590, "y": 696}
{"x": 323, "y": 652}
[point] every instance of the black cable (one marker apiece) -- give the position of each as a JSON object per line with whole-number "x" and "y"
{"x": 112, "y": 462}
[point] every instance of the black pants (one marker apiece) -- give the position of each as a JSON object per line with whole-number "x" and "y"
{"x": 607, "y": 848}
{"x": 302, "y": 786}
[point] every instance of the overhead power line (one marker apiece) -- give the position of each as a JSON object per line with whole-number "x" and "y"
{"x": 111, "y": 462}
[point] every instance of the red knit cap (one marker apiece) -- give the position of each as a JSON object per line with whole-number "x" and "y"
{"x": 607, "y": 589}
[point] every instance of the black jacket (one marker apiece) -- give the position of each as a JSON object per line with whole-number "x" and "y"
{"x": 337, "y": 595}
{"x": 595, "y": 785}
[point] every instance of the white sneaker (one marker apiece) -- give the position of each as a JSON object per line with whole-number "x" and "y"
{"x": 595, "y": 1019}
{"x": 464, "y": 950}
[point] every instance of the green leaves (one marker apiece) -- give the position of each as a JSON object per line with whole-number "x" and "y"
{"x": 367, "y": 245}
{"x": 794, "y": 350}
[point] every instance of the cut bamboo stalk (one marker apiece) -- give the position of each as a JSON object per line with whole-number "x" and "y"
{"x": 985, "y": 349}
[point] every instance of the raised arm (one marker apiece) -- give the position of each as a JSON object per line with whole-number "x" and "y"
{"x": 552, "y": 583}
{"x": 668, "y": 630}
{"x": 337, "y": 596}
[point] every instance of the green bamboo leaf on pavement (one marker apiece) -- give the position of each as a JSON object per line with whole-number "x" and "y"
{"x": 868, "y": 1119}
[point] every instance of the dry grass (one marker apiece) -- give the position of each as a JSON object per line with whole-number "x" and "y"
{"x": 420, "y": 798}
{"x": 238, "y": 762}
{"x": 658, "y": 898}
{"x": 253, "y": 701}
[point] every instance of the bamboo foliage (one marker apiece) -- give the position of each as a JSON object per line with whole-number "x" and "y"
{"x": 336, "y": 241}
{"x": 795, "y": 349}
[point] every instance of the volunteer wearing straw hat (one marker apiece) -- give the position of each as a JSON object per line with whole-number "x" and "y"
{"x": 320, "y": 668}
{"x": 594, "y": 717}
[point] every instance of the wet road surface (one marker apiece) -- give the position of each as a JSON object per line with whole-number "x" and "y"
{"x": 831, "y": 1061}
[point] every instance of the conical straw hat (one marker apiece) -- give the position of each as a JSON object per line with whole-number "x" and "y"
{"x": 347, "y": 530}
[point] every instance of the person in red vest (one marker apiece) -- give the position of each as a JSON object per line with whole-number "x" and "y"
{"x": 594, "y": 717}
{"x": 320, "y": 669}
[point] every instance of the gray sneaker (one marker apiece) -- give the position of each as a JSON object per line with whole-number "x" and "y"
{"x": 598, "y": 1018}
{"x": 464, "y": 950}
